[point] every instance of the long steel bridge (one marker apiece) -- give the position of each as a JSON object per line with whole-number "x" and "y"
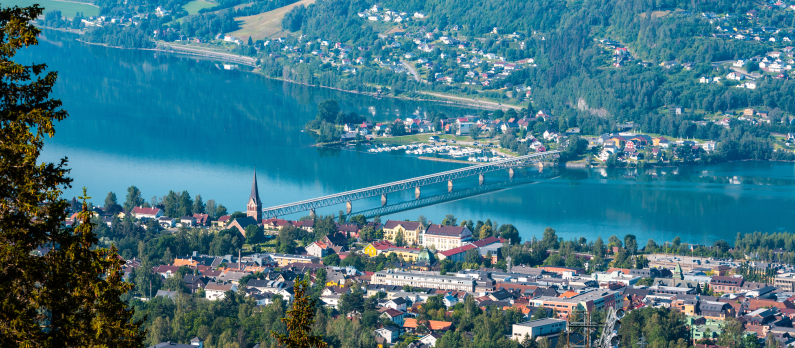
{"x": 415, "y": 183}
{"x": 452, "y": 196}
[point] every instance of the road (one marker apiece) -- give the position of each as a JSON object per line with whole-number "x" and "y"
{"x": 208, "y": 53}
{"x": 412, "y": 70}
{"x": 474, "y": 101}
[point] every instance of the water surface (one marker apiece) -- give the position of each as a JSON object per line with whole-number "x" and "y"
{"x": 162, "y": 122}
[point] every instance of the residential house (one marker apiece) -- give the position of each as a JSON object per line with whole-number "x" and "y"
{"x": 318, "y": 249}
{"x": 377, "y": 247}
{"x": 195, "y": 282}
{"x": 395, "y": 316}
{"x": 216, "y": 291}
{"x": 411, "y": 324}
{"x": 397, "y": 304}
{"x": 390, "y": 334}
{"x": 146, "y": 213}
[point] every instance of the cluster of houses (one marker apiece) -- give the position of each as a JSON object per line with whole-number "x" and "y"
{"x": 745, "y": 27}
{"x": 706, "y": 290}
{"x": 379, "y": 14}
{"x": 638, "y": 146}
{"x": 620, "y": 54}
{"x": 143, "y": 215}
{"x": 775, "y": 63}
{"x": 430, "y": 49}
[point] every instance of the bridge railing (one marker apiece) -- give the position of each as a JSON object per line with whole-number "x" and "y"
{"x": 373, "y": 191}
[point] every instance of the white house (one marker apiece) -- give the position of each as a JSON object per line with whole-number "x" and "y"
{"x": 449, "y": 301}
{"x": 397, "y": 303}
{"x": 146, "y": 213}
{"x": 735, "y": 76}
{"x": 389, "y": 333}
{"x": 215, "y": 291}
{"x": 317, "y": 249}
{"x": 431, "y": 339}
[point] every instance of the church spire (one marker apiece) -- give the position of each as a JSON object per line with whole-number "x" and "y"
{"x": 254, "y": 190}
{"x": 254, "y": 207}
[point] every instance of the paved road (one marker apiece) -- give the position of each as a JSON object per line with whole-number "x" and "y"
{"x": 411, "y": 70}
{"x": 474, "y": 101}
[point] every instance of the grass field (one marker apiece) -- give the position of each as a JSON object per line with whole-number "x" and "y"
{"x": 194, "y": 6}
{"x": 68, "y": 9}
{"x": 268, "y": 24}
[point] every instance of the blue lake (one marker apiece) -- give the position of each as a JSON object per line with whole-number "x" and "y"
{"x": 163, "y": 122}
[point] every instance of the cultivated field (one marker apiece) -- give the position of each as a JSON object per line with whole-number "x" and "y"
{"x": 265, "y": 25}
{"x": 194, "y": 6}
{"x": 67, "y": 8}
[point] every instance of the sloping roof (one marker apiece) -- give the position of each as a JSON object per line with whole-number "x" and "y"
{"x": 146, "y": 211}
{"x": 445, "y": 230}
{"x": 484, "y": 242}
{"x": 392, "y": 313}
{"x": 218, "y": 286}
{"x": 461, "y": 249}
{"x": 407, "y": 225}
{"x": 382, "y": 245}
{"x": 434, "y": 325}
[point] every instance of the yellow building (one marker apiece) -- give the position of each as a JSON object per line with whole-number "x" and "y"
{"x": 375, "y": 248}
{"x": 407, "y": 254}
{"x": 411, "y": 230}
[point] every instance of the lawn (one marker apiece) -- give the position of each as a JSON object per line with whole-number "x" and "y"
{"x": 268, "y": 24}
{"x": 68, "y": 9}
{"x": 194, "y": 6}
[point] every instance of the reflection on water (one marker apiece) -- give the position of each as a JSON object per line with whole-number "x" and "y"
{"x": 172, "y": 123}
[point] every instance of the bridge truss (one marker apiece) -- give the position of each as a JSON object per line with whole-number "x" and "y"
{"x": 383, "y": 189}
{"x": 452, "y": 196}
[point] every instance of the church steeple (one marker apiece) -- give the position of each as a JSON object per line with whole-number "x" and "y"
{"x": 254, "y": 207}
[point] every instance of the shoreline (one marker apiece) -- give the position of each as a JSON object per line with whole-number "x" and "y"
{"x": 484, "y": 105}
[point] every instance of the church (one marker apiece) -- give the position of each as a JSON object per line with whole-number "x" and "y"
{"x": 253, "y": 210}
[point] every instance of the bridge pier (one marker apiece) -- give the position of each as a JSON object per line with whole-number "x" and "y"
{"x": 510, "y": 173}
{"x": 312, "y": 213}
{"x": 383, "y": 200}
{"x": 438, "y": 178}
{"x": 348, "y": 207}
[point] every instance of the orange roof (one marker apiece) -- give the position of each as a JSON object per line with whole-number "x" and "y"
{"x": 434, "y": 325}
{"x": 185, "y": 262}
{"x": 622, "y": 270}
{"x": 568, "y": 294}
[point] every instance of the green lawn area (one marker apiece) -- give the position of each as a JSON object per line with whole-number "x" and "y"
{"x": 68, "y": 9}
{"x": 194, "y": 6}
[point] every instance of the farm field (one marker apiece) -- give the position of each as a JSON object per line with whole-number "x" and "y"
{"x": 194, "y": 6}
{"x": 268, "y": 24}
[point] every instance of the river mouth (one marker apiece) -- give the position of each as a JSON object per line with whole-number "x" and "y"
{"x": 164, "y": 122}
